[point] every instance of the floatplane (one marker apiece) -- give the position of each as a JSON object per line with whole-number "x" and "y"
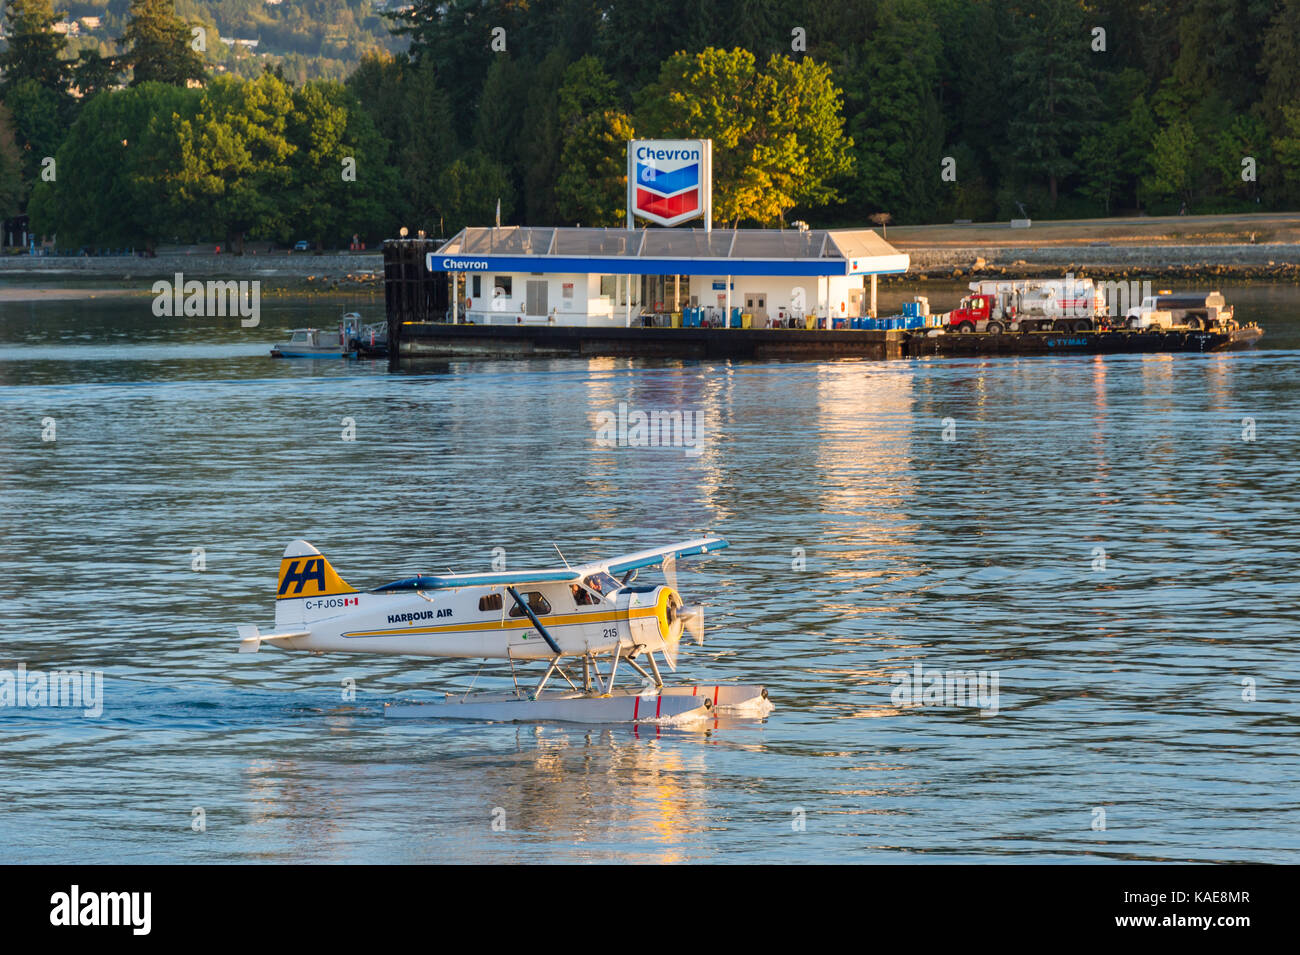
{"x": 560, "y": 617}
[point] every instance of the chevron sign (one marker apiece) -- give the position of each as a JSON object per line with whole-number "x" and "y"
{"x": 669, "y": 180}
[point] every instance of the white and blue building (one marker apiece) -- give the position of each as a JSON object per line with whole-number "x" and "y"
{"x": 616, "y": 277}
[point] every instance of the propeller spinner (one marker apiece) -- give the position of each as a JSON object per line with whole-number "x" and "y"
{"x": 680, "y": 617}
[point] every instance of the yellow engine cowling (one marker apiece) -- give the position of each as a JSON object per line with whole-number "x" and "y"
{"x": 653, "y": 621}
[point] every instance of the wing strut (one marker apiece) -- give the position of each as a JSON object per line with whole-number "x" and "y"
{"x": 528, "y": 611}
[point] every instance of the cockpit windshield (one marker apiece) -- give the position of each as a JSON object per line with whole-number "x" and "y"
{"x": 601, "y": 583}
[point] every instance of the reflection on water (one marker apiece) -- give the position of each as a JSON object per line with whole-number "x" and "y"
{"x": 1097, "y": 532}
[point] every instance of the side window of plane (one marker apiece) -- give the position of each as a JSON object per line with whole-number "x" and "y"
{"x": 490, "y": 602}
{"x": 536, "y": 603}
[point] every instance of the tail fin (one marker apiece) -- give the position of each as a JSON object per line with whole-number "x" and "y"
{"x": 304, "y": 572}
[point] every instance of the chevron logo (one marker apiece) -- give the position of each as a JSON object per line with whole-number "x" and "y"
{"x": 667, "y": 207}
{"x": 668, "y": 183}
{"x": 668, "y": 176}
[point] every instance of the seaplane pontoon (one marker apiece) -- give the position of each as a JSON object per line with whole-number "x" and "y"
{"x": 592, "y": 616}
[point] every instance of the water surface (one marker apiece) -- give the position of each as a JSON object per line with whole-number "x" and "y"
{"x": 863, "y": 543}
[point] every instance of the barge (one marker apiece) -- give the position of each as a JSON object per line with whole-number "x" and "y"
{"x": 737, "y": 294}
{"x": 416, "y": 341}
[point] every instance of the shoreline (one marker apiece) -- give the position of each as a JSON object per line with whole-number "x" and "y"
{"x": 49, "y": 287}
{"x": 1168, "y": 249}
{"x": 1276, "y": 262}
{"x": 279, "y": 274}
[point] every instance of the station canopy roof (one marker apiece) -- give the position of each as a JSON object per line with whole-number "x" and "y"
{"x": 678, "y": 251}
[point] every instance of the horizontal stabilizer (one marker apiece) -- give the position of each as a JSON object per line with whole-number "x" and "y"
{"x": 251, "y": 639}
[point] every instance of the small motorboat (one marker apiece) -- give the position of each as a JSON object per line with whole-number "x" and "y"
{"x": 310, "y": 343}
{"x": 365, "y": 340}
{"x": 353, "y": 338}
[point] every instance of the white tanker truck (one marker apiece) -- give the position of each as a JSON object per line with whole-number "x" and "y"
{"x": 1030, "y": 305}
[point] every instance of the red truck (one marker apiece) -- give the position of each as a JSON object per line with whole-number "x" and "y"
{"x": 1018, "y": 311}
{"x": 975, "y": 313}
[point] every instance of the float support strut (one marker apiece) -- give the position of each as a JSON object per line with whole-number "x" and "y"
{"x": 528, "y": 611}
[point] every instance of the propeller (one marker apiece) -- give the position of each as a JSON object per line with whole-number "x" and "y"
{"x": 670, "y": 571}
{"x": 672, "y": 641}
{"x": 671, "y": 646}
{"x": 692, "y": 619}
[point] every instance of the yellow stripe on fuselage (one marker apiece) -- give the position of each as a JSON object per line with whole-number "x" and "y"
{"x": 517, "y": 623}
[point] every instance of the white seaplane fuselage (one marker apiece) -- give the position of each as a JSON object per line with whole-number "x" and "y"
{"x": 424, "y": 618}
{"x": 549, "y": 615}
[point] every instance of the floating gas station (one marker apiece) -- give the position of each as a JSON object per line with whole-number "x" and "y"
{"x": 647, "y": 276}
{"x": 666, "y": 286}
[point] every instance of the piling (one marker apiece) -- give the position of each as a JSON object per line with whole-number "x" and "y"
{"x": 412, "y": 294}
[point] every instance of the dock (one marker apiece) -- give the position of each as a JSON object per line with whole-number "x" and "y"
{"x": 417, "y": 341}
{"x": 440, "y": 340}
{"x": 1113, "y": 342}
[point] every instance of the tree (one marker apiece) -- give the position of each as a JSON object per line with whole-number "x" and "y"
{"x": 591, "y": 186}
{"x": 467, "y": 36}
{"x": 899, "y": 128}
{"x": 13, "y": 188}
{"x": 339, "y": 182}
{"x": 37, "y": 113}
{"x": 1055, "y": 97}
{"x": 34, "y": 51}
{"x": 778, "y": 135}
{"x": 1172, "y": 159}
{"x": 236, "y": 156}
{"x": 639, "y": 36}
{"x": 157, "y": 45}
{"x": 1246, "y": 137}
{"x": 93, "y": 73}
{"x": 427, "y": 143}
{"x": 541, "y": 139}
{"x": 470, "y": 188}
{"x": 496, "y": 129}
{"x": 118, "y": 170}
{"x": 1218, "y": 42}
{"x": 1277, "y": 64}
{"x": 1139, "y": 132}
{"x": 1100, "y": 159}
{"x": 1287, "y": 147}
{"x": 974, "y": 88}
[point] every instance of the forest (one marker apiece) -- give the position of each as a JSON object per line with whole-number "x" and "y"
{"x": 831, "y": 112}
{"x": 305, "y": 39}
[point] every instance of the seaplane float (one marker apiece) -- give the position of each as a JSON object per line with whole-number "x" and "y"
{"x": 561, "y": 617}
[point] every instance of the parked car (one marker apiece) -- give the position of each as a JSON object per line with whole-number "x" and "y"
{"x": 302, "y": 245}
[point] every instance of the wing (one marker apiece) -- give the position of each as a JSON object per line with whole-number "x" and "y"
{"x": 649, "y": 558}
{"x": 617, "y": 565}
{"x": 450, "y": 581}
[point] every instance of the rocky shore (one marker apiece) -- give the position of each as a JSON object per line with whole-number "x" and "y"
{"x": 306, "y": 272}
{"x": 302, "y": 272}
{"x": 1274, "y": 262}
